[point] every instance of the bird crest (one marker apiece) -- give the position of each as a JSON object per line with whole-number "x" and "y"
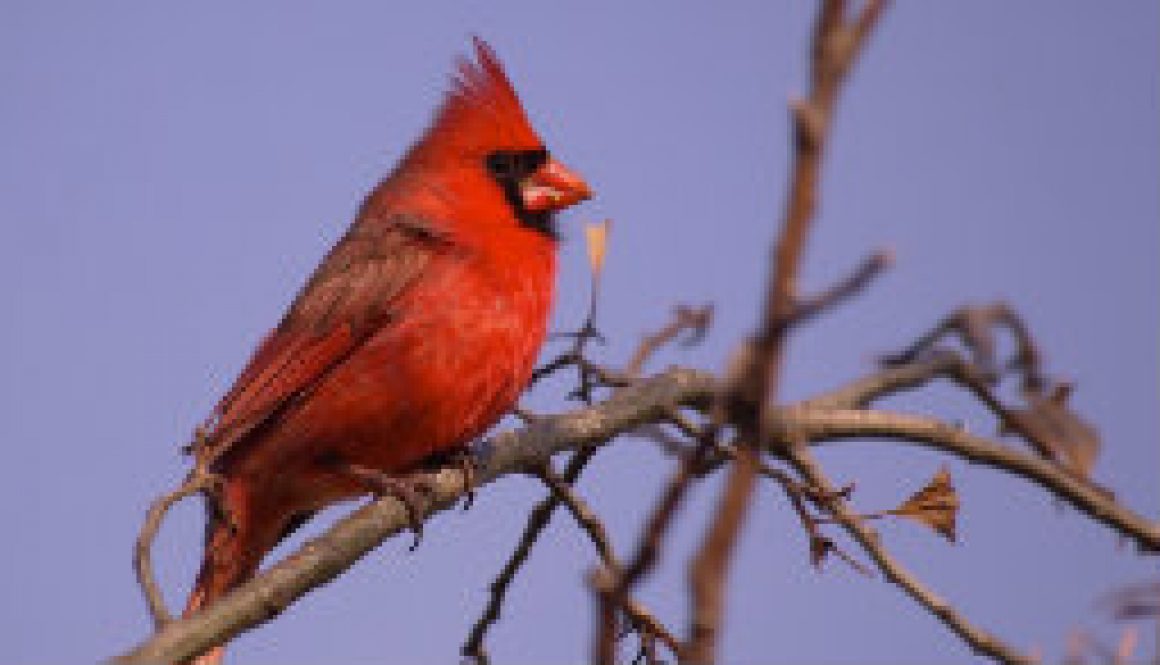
{"x": 481, "y": 110}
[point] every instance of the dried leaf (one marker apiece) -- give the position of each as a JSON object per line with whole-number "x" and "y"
{"x": 978, "y": 331}
{"x": 936, "y": 505}
{"x": 596, "y": 236}
{"x": 1050, "y": 423}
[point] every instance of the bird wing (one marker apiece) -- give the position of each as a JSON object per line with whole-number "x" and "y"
{"x": 348, "y": 298}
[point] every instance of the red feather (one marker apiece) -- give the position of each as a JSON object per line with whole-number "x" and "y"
{"x": 414, "y": 335}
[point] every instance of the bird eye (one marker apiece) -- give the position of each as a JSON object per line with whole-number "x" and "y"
{"x": 501, "y": 164}
{"x": 510, "y": 164}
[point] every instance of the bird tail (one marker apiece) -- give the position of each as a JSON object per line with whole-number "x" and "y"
{"x": 233, "y": 552}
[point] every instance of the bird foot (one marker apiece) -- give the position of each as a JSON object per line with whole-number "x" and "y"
{"x": 463, "y": 460}
{"x": 408, "y": 489}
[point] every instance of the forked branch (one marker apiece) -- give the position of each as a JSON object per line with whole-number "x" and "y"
{"x": 751, "y": 390}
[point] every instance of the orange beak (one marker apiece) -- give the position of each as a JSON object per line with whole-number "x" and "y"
{"x": 553, "y": 187}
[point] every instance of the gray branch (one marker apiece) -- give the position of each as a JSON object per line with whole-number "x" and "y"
{"x": 821, "y": 426}
{"x": 650, "y": 401}
{"x": 326, "y": 557}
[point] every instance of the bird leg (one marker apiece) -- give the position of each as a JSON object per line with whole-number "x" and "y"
{"x": 216, "y": 503}
{"x": 461, "y": 459}
{"x": 407, "y": 489}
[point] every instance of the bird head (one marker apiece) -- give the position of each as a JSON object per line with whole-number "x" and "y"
{"x": 482, "y": 134}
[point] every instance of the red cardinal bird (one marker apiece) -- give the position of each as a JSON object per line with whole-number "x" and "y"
{"x": 416, "y": 333}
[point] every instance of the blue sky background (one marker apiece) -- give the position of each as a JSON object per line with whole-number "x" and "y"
{"x": 169, "y": 175}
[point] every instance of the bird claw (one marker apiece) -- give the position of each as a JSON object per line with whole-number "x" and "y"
{"x": 463, "y": 460}
{"x": 406, "y": 489}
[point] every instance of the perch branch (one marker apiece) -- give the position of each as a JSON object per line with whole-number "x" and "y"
{"x": 323, "y": 558}
{"x": 648, "y": 401}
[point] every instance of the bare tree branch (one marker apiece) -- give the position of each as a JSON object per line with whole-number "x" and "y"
{"x": 743, "y": 405}
{"x": 323, "y": 558}
{"x": 644, "y": 621}
{"x": 747, "y": 397}
{"x": 858, "y": 280}
{"x": 821, "y": 426}
{"x": 979, "y": 640}
{"x": 583, "y": 514}
{"x": 142, "y": 551}
{"x": 648, "y": 549}
{"x": 538, "y": 520}
{"x": 974, "y": 325}
{"x": 696, "y": 320}
{"x": 648, "y": 401}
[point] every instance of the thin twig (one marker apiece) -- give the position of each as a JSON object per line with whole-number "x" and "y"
{"x": 982, "y": 642}
{"x": 834, "y": 425}
{"x": 973, "y": 325}
{"x": 640, "y": 617}
{"x": 142, "y": 557}
{"x": 648, "y": 549}
{"x": 873, "y": 266}
{"x": 538, "y": 520}
{"x": 947, "y": 364}
{"x": 647, "y": 401}
{"x": 797, "y": 492}
{"x": 710, "y": 567}
{"x": 587, "y": 373}
{"x": 327, "y": 556}
{"x": 602, "y": 580}
{"x": 695, "y": 320}
{"x": 864, "y": 391}
{"x": 582, "y": 513}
